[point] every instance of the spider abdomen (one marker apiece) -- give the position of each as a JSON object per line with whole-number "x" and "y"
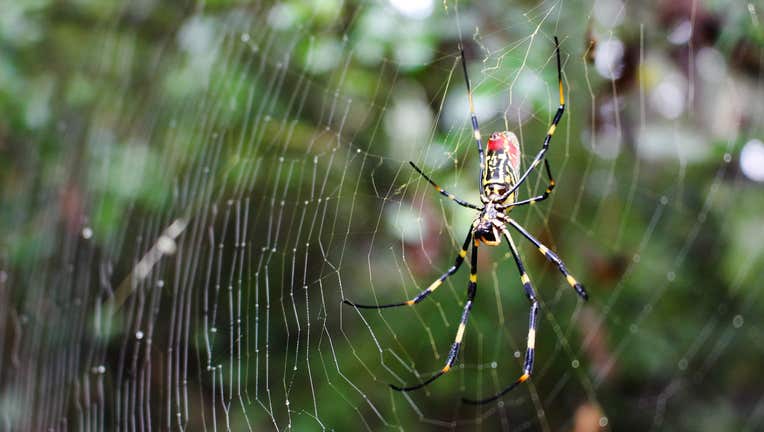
{"x": 502, "y": 164}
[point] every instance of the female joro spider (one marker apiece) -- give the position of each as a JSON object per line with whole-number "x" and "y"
{"x": 498, "y": 183}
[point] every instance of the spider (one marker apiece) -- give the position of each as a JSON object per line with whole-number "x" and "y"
{"x": 499, "y": 181}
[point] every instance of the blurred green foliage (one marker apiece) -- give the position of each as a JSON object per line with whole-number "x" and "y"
{"x": 117, "y": 117}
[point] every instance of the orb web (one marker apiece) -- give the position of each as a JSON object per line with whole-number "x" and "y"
{"x": 191, "y": 276}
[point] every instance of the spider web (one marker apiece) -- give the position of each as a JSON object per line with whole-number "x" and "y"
{"x": 233, "y": 180}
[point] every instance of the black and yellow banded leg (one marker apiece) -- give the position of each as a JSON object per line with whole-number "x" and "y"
{"x": 550, "y": 132}
{"x": 433, "y": 286}
{"x": 530, "y": 350}
{"x": 545, "y": 195}
{"x": 473, "y": 118}
{"x": 454, "y": 351}
{"x": 444, "y": 192}
{"x": 551, "y": 256}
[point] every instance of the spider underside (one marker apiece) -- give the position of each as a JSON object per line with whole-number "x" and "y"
{"x": 499, "y": 181}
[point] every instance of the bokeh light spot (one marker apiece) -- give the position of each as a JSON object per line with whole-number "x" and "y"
{"x": 417, "y": 9}
{"x": 608, "y": 59}
{"x": 752, "y": 160}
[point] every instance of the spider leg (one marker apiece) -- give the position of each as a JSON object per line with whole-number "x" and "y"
{"x": 473, "y": 117}
{"x": 532, "y": 325}
{"x": 433, "y": 286}
{"x": 550, "y": 133}
{"x": 454, "y": 351}
{"x": 444, "y": 192}
{"x": 545, "y": 195}
{"x": 551, "y": 256}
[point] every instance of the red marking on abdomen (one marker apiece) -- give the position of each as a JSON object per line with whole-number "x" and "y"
{"x": 514, "y": 154}
{"x": 507, "y": 142}
{"x": 496, "y": 144}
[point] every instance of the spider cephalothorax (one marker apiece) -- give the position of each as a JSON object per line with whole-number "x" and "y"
{"x": 499, "y": 179}
{"x": 487, "y": 226}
